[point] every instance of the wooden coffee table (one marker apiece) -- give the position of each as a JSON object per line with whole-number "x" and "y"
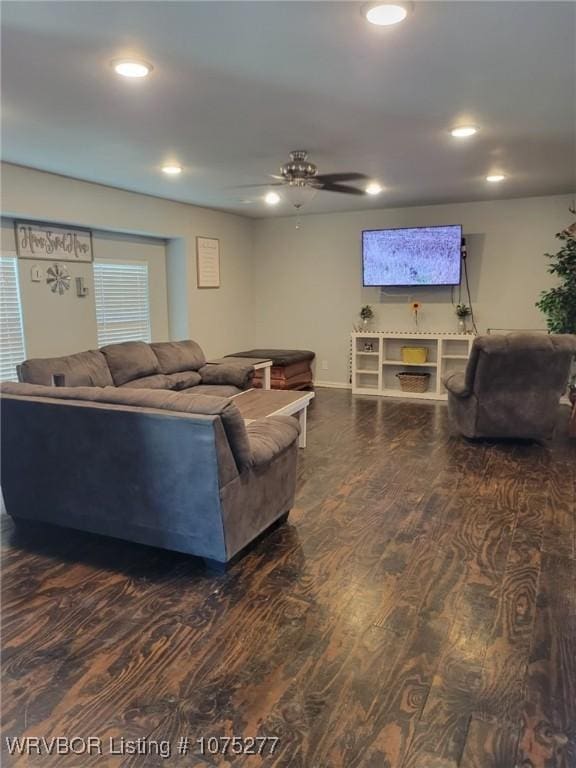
{"x": 259, "y": 403}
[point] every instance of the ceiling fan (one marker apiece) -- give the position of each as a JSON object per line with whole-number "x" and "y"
{"x": 300, "y": 177}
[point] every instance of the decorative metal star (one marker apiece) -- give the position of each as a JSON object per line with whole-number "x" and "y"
{"x": 58, "y": 278}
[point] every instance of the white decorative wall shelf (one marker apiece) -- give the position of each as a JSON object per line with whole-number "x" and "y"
{"x": 377, "y": 358}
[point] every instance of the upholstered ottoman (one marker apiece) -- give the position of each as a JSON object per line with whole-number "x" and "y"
{"x": 291, "y": 368}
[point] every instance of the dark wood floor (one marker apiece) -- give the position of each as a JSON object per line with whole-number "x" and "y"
{"x": 418, "y": 611}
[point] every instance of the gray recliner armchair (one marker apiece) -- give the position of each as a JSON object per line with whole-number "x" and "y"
{"x": 512, "y": 386}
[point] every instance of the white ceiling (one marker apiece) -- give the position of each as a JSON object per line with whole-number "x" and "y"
{"x": 237, "y": 85}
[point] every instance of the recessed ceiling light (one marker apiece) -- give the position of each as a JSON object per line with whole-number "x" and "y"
{"x": 132, "y": 68}
{"x": 464, "y": 131}
{"x": 172, "y": 170}
{"x": 385, "y": 14}
{"x": 494, "y": 178}
{"x": 272, "y": 198}
{"x": 373, "y": 189}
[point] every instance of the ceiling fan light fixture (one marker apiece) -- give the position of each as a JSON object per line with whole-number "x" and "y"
{"x": 373, "y": 188}
{"x": 386, "y": 14}
{"x": 300, "y": 193}
{"x": 495, "y": 178}
{"x": 464, "y": 131}
{"x": 172, "y": 169}
{"x": 272, "y": 198}
{"x": 298, "y": 167}
{"x": 132, "y": 68}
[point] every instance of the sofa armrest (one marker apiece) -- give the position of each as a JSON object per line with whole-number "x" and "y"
{"x": 233, "y": 375}
{"x": 271, "y": 436}
{"x": 456, "y": 385}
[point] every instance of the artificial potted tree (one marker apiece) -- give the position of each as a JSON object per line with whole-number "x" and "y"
{"x": 559, "y": 303}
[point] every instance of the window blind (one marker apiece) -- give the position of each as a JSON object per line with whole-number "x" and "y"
{"x": 122, "y": 302}
{"x": 12, "y": 351}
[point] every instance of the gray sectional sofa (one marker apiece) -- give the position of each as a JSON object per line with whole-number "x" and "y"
{"x": 174, "y": 365}
{"x": 177, "y": 470}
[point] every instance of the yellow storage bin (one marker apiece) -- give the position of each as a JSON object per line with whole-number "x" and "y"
{"x": 417, "y": 355}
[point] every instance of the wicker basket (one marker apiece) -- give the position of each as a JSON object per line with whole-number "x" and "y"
{"x": 414, "y": 382}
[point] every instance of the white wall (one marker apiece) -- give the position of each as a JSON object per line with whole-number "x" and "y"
{"x": 281, "y": 287}
{"x": 219, "y": 319}
{"x": 153, "y": 252}
{"x": 58, "y": 325}
{"x": 53, "y": 324}
{"x": 308, "y": 282}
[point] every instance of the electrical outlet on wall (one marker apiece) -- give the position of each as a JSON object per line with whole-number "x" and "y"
{"x": 324, "y": 365}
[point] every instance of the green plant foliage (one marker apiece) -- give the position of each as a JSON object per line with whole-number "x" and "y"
{"x": 367, "y": 313}
{"x": 559, "y": 303}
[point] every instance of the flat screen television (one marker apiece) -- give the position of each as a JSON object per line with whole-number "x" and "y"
{"x": 416, "y": 256}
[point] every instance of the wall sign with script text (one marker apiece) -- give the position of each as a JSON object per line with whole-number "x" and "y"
{"x": 39, "y": 241}
{"x": 208, "y": 262}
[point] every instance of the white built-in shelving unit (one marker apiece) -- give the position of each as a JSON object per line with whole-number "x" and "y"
{"x": 374, "y": 371}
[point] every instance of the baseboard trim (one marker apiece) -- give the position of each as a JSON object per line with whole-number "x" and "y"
{"x": 332, "y": 384}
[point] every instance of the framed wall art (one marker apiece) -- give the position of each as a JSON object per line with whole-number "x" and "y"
{"x": 44, "y": 241}
{"x": 208, "y": 262}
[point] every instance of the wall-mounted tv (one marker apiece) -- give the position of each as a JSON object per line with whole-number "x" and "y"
{"x": 416, "y": 256}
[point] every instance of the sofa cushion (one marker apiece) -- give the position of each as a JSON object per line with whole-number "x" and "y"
{"x": 182, "y": 380}
{"x": 216, "y": 390}
{"x": 232, "y": 375}
{"x": 88, "y": 369}
{"x": 270, "y": 436}
{"x": 229, "y": 414}
{"x": 175, "y": 356}
{"x": 158, "y": 381}
{"x": 130, "y": 360}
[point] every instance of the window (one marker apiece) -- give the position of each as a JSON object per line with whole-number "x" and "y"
{"x": 122, "y": 302}
{"x": 12, "y": 350}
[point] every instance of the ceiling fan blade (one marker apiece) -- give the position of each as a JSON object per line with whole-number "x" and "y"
{"x": 330, "y": 178}
{"x": 264, "y": 184}
{"x": 341, "y": 188}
